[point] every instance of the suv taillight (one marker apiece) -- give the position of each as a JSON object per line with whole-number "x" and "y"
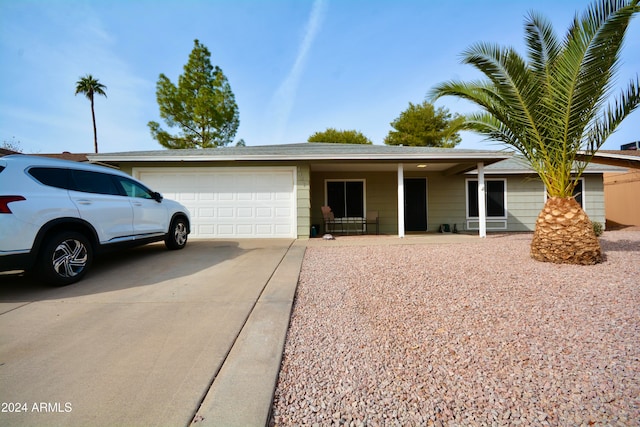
{"x": 4, "y": 203}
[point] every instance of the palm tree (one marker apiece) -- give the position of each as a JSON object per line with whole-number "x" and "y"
{"x": 553, "y": 109}
{"x": 89, "y": 86}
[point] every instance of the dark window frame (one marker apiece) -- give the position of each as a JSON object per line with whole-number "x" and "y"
{"x": 578, "y": 192}
{"x": 492, "y": 203}
{"x": 348, "y": 207}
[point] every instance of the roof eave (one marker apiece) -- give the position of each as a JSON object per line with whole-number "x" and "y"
{"x": 485, "y": 157}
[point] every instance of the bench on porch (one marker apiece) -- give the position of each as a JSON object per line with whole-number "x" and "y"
{"x": 347, "y": 225}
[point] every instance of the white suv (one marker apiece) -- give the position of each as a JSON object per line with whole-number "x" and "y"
{"x": 56, "y": 214}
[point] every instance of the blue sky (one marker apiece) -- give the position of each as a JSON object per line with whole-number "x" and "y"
{"x": 295, "y": 66}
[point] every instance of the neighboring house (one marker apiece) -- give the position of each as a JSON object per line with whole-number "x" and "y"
{"x": 6, "y": 152}
{"x": 76, "y": 157}
{"x": 278, "y": 190}
{"x": 65, "y": 155}
{"x": 622, "y": 189}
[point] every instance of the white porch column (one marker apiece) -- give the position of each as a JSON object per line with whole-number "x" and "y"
{"x": 400, "y": 200}
{"x": 482, "y": 210}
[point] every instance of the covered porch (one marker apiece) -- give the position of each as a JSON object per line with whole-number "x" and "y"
{"x": 413, "y": 195}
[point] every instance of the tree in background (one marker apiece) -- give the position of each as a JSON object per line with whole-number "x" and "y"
{"x": 12, "y": 145}
{"x": 89, "y": 87}
{"x": 202, "y": 106}
{"x": 553, "y": 108}
{"x": 340, "y": 137}
{"x": 425, "y": 126}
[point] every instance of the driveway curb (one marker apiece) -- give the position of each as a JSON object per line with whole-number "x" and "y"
{"x": 242, "y": 392}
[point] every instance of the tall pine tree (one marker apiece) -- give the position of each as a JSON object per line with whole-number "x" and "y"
{"x": 202, "y": 106}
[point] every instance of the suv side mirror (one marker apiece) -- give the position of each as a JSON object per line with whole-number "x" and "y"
{"x": 157, "y": 196}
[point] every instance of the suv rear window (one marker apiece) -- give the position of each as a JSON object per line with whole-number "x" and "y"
{"x": 76, "y": 180}
{"x": 53, "y": 177}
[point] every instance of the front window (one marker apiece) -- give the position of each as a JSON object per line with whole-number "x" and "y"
{"x": 495, "y": 202}
{"x": 578, "y": 192}
{"x": 134, "y": 189}
{"x": 346, "y": 198}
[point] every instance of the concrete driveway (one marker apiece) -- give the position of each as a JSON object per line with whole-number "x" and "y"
{"x": 151, "y": 337}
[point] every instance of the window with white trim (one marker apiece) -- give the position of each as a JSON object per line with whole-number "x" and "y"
{"x": 495, "y": 198}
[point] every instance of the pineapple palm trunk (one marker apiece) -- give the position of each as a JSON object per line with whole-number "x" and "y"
{"x": 564, "y": 234}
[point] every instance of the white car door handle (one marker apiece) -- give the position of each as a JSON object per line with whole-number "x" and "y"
{"x": 83, "y": 201}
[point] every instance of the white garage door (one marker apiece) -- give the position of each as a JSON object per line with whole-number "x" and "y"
{"x": 230, "y": 202}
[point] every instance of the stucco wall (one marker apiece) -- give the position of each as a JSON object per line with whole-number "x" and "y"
{"x": 622, "y": 197}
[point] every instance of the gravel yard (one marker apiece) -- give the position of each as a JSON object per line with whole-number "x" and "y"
{"x": 475, "y": 333}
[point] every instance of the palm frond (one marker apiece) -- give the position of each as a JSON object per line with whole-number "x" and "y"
{"x": 554, "y": 106}
{"x": 542, "y": 42}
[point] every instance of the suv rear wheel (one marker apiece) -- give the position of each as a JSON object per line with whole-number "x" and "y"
{"x": 65, "y": 258}
{"x": 177, "y": 236}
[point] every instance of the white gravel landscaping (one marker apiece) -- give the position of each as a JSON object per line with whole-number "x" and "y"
{"x": 472, "y": 333}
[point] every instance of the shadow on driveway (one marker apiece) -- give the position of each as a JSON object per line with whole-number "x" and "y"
{"x": 145, "y": 265}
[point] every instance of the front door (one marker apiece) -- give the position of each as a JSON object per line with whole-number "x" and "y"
{"x": 415, "y": 204}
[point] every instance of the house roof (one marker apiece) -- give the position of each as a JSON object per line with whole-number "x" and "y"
{"x": 304, "y": 151}
{"x": 76, "y": 157}
{"x": 517, "y": 165}
{"x": 622, "y": 158}
{"x": 323, "y": 156}
{"x": 349, "y": 156}
{"x": 6, "y": 152}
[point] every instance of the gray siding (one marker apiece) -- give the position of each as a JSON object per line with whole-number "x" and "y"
{"x": 525, "y": 200}
{"x": 594, "y": 198}
{"x": 446, "y": 202}
{"x": 303, "y": 195}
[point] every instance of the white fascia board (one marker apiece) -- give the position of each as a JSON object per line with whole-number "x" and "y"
{"x": 303, "y": 157}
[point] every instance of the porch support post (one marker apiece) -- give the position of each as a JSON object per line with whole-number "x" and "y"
{"x": 482, "y": 210}
{"x": 400, "y": 200}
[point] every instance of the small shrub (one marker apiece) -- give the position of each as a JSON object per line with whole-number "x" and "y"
{"x": 597, "y": 228}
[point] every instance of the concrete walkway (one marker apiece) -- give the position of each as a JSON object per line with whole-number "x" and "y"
{"x": 242, "y": 392}
{"x": 409, "y": 239}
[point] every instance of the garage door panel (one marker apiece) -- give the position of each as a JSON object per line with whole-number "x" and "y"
{"x": 225, "y": 213}
{"x": 231, "y": 202}
{"x": 264, "y": 212}
{"x": 245, "y": 213}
